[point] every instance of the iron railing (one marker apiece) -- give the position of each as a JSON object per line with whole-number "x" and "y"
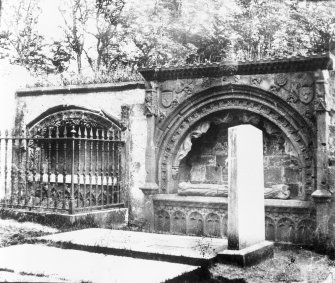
{"x": 69, "y": 169}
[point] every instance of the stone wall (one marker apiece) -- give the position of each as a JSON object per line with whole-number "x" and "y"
{"x": 295, "y": 88}
{"x": 285, "y": 99}
{"x": 331, "y": 160}
{"x": 207, "y": 160}
{"x": 30, "y": 103}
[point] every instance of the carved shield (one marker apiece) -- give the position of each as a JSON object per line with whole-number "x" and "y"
{"x": 306, "y": 94}
{"x": 166, "y": 98}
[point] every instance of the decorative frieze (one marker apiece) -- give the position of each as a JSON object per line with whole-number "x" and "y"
{"x": 207, "y": 216}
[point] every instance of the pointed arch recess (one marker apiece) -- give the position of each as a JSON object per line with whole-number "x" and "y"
{"x": 179, "y": 123}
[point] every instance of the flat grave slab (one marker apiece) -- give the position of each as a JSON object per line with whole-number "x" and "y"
{"x": 52, "y": 264}
{"x": 173, "y": 248}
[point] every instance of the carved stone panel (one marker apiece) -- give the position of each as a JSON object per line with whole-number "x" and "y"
{"x": 306, "y": 94}
{"x": 270, "y": 229}
{"x": 162, "y": 221}
{"x": 195, "y": 224}
{"x": 178, "y": 223}
{"x": 225, "y": 226}
{"x": 305, "y": 232}
{"x": 285, "y": 230}
{"x": 213, "y": 225}
{"x": 166, "y": 98}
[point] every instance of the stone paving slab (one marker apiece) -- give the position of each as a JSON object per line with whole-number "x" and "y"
{"x": 174, "y": 248}
{"x": 53, "y": 264}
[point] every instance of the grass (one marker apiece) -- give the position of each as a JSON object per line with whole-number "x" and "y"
{"x": 13, "y": 232}
{"x": 119, "y": 74}
{"x": 289, "y": 264}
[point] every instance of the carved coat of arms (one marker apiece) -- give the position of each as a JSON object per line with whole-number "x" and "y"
{"x": 166, "y": 98}
{"x": 306, "y": 94}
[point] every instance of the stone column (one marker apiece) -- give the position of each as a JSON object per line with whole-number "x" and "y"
{"x": 246, "y": 213}
{"x": 322, "y": 195}
{"x": 150, "y": 187}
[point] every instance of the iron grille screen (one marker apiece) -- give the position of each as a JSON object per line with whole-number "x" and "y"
{"x": 65, "y": 168}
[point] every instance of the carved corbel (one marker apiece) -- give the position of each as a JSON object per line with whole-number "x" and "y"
{"x": 125, "y": 111}
{"x": 150, "y": 101}
{"x": 175, "y": 172}
{"x": 149, "y": 105}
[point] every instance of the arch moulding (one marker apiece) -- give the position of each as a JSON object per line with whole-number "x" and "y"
{"x": 73, "y": 115}
{"x": 173, "y": 131}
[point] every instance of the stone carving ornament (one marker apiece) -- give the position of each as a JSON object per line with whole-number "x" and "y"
{"x": 280, "y": 79}
{"x": 293, "y": 96}
{"x": 71, "y": 118}
{"x": 166, "y": 98}
{"x": 256, "y": 81}
{"x": 278, "y": 191}
{"x": 149, "y": 105}
{"x": 185, "y": 87}
{"x": 174, "y": 103}
{"x": 161, "y": 116}
{"x": 306, "y": 94}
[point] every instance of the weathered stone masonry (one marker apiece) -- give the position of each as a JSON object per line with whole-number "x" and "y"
{"x": 176, "y": 132}
{"x": 288, "y": 99}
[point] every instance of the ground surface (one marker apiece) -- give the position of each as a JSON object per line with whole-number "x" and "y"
{"x": 13, "y": 232}
{"x": 41, "y": 263}
{"x": 288, "y": 265}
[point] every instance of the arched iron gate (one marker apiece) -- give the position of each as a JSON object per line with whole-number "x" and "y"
{"x": 69, "y": 168}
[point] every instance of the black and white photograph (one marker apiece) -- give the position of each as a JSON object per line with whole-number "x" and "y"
{"x": 167, "y": 141}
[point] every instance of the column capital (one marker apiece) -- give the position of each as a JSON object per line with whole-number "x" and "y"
{"x": 321, "y": 196}
{"x": 149, "y": 189}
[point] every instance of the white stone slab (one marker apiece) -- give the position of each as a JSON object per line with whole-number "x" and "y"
{"x": 80, "y": 266}
{"x": 246, "y": 225}
{"x": 160, "y": 244}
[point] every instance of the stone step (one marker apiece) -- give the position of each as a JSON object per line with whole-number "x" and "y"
{"x": 171, "y": 248}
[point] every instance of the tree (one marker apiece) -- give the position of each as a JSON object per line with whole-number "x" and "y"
{"x": 107, "y": 33}
{"x": 75, "y": 14}
{"x": 318, "y": 22}
{"x": 20, "y": 39}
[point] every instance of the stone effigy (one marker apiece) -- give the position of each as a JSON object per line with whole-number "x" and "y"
{"x": 278, "y": 191}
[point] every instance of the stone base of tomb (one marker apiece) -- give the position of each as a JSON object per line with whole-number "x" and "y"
{"x": 247, "y": 256}
{"x": 113, "y": 218}
{"x": 286, "y": 221}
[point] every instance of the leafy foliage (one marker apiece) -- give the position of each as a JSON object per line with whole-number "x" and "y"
{"x": 102, "y": 37}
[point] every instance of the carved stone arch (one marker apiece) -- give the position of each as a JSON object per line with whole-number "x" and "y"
{"x": 162, "y": 221}
{"x": 195, "y": 224}
{"x": 270, "y": 229}
{"x": 195, "y": 109}
{"x": 71, "y": 115}
{"x": 213, "y": 225}
{"x": 178, "y": 222}
{"x": 285, "y": 230}
{"x": 305, "y": 231}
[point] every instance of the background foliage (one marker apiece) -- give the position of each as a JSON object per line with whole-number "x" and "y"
{"x": 107, "y": 40}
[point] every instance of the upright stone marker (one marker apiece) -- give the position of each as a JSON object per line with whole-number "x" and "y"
{"x": 246, "y": 222}
{"x": 246, "y": 219}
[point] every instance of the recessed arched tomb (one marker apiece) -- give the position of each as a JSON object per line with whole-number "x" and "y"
{"x": 203, "y": 158}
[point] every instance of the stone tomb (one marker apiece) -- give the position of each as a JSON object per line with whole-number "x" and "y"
{"x": 246, "y": 224}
